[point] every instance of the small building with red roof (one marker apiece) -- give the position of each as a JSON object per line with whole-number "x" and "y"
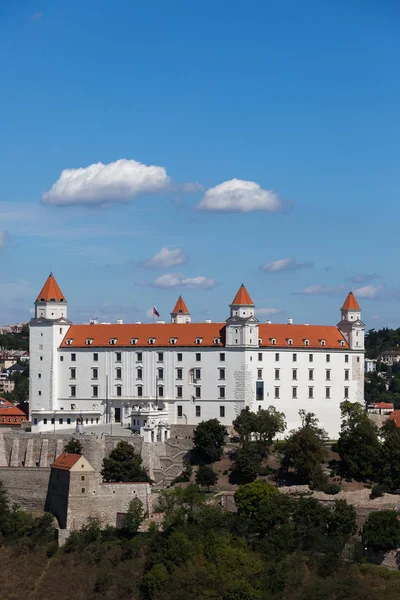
{"x": 381, "y": 408}
{"x": 10, "y": 415}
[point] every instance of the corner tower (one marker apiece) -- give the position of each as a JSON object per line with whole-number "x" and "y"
{"x": 351, "y": 326}
{"x": 180, "y": 314}
{"x": 51, "y": 302}
{"x": 242, "y": 325}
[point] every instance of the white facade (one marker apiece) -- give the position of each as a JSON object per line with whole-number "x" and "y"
{"x": 151, "y": 376}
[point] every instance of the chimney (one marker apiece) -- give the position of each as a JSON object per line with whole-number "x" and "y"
{"x": 208, "y": 320}
{"x": 120, "y": 322}
{"x": 268, "y": 322}
{"x": 290, "y": 321}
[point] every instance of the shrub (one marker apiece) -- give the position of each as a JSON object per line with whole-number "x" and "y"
{"x": 332, "y": 488}
{"x": 51, "y": 549}
{"x": 378, "y": 490}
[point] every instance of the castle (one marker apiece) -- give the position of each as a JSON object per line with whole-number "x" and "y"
{"x": 152, "y": 376}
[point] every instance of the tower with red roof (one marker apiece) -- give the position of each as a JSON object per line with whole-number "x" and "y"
{"x": 180, "y": 314}
{"x": 350, "y": 325}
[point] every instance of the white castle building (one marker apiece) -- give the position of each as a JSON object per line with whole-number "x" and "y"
{"x": 150, "y": 376}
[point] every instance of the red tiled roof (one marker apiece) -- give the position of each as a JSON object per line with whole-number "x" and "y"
{"x": 180, "y": 307}
{"x": 395, "y": 416}
{"x": 50, "y": 291}
{"x": 285, "y": 336}
{"x": 8, "y": 409}
{"x": 66, "y": 460}
{"x": 384, "y": 405}
{"x": 242, "y": 297}
{"x": 351, "y": 303}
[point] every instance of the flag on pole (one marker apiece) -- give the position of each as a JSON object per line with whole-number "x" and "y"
{"x": 155, "y": 312}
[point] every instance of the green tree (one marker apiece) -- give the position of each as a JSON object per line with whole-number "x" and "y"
{"x": 245, "y": 424}
{"x": 342, "y": 520}
{"x": 247, "y": 461}
{"x": 249, "y": 496}
{"x": 134, "y": 517}
{"x": 268, "y": 423}
{"x": 390, "y": 455}
{"x": 73, "y": 446}
{"x": 206, "y": 476}
{"x": 208, "y": 439}
{"x": 304, "y": 450}
{"x": 381, "y": 531}
{"x": 123, "y": 464}
{"x": 358, "y": 444}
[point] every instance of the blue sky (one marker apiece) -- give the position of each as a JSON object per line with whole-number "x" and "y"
{"x": 152, "y": 149}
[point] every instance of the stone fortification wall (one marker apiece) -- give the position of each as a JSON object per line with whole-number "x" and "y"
{"x": 26, "y": 486}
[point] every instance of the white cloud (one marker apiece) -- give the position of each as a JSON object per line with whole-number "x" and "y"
{"x": 177, "y": 280}
{"x": 116, "y": 182}
{"x": 3, "y": 240}
{"x": 237, "y": 195}
{"x": 321, "y": 289}
{"x": 166, "y": 258}
{"x": 364, "y": 277}
{"x": 368, "y": 291}
{"x": 268, "y": 312}
{"x": 284, "y": 264}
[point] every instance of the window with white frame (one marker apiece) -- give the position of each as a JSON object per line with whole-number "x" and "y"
{"x": 113, "y": 341}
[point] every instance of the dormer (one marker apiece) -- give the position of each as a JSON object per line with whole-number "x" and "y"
{"x": 69, "y": 341}
{"x": 199, "y": 340}
{"x": 134, "y": 341}
{"x": 217, "y": 340}
{"x": 113, "y": 341}
{"x": 89, "y": 341}
{"x": 152, "y": 341}
{"x": 273, "y": 341}
{"x": 290, "y": 342}
{"x": 173, "y": 340}
{"x": 306, "y": 342}
{"x": 322, "y": 342}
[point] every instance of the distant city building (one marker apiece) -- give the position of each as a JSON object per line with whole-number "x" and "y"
{"x": 381, "y": 408}
{"x": 370, "y": 365}
{"x": 150, "y": 376}
{"x": 10, "y": 415}
{"x": 390, "y": 357}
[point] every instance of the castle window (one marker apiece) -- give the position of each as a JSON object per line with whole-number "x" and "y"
{"x": 341, "y": 343}
{"x": 346, "y": 358}
{"x": 306, "y": 342}
{"x": 311, "y": 392}
{"x": 276, "y": 392}
{"x": 217, "y": 340}
{"x": 95, "y": 391}
{"x": 311, "y": 374}
{"x": 346, "y": 375}
{"x": 294, "y": 357}
{"x": 273, "y": 341}
{"x": 69, "y": 341}
{"x": 259, "y": 341}
{"x": 259, "y": 373}
{"x": 134, "y": 341}
{"x": 119, "y": 390}
{"x": 118, "y": 357}
{"x": 179, "y": 373}
{"x": 113, "y": 341}
{"x": 139, "y": 356}
{"x": 197, "y": 391}
{"x": 139, "y": 391}
{"x": 180, "y": 410}
{"x": 198, "y": 411}
{"x": 83, "y": 490}
{"x": 327, "y": 393}
{"x": 139, "y": 373}
{"x": 173, "y": 340}
{"x": 82, "y": 478}
{"x": 222, "y": 408}
{"x": 310, "y": 358}
{"x": 118, "y": 373}
{"x": 277, "y": 374}
{"x": 346, "y": 392}
{"x": 222, "y": 356}
{"x": 277, "y": 357}
{"x": 328, "y": 358}
{"x": 95, "y": 357}
{"x": 152, "y": 341}
{"x": 61, "y": 358}
{"x": 290, "y": 342}
{"x": 73, "y": 357}
{"x": 328, "y": 375}
{"x": 160, "y": 373}
{"x": 198, "y": 357}
{"x": 161, "y": 391}
{"x": 294, "y": 374}
{"x": 294, "y": 393}
{"x": 95, "y": 373}
{"x": 199, "y": 340}
{"x": 221, "y": 373}
{"x": 72, "y": 373}
{"x": 72, "y": 391}
{"x": 160, "y": 356}
{"x": 323, "y": 343}
{"x": 260, "y": 356}
{"x": 179, "y": 357}
{"x": 89, "y": 341}
{"x": 179, "y": 393}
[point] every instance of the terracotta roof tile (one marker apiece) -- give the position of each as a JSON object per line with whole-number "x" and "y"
{"x": 8, "y": 409}
{"x": 180, "y": 307}
{"x": 51, "y": 291}
{"x": 384, "y": 405}
{"x": 351, "y": 303}
{"x": 242, "y": 297}
{"x": 65, "y": 461}
{"x": 285, "y": 336}
{"x": 395, "y": 416}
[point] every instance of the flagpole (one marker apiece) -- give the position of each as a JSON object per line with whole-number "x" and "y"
{"x": 153, "y": 313}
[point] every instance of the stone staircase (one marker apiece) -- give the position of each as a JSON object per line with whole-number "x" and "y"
{"x": 165, "y": 460}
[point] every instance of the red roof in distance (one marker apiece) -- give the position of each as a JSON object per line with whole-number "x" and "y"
{"x": 50, "y": 291}
{"x": 243, "y": 297}
{"x": 351, "y": 303}
{"x": 8, "y": 409}
{"x": 180, "y": 307}
{"x": 66, "y": 460}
